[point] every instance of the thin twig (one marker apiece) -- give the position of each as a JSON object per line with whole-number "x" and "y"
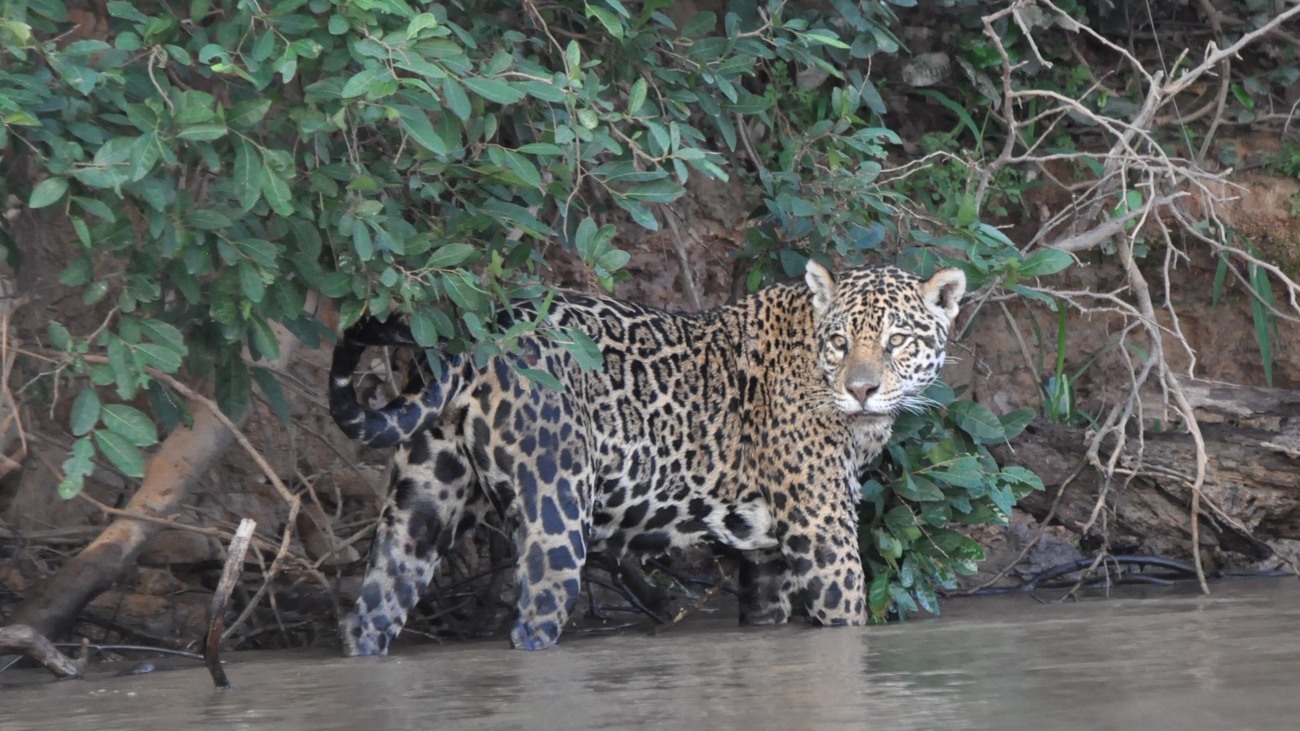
{"x": 683, "y": 261}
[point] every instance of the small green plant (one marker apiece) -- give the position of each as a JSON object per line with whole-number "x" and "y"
{"x": 1262, "y": 304}
{"x": 936, "y": 471}
{"x": 1287, "y": 161}
{"x": 1057, "y": 389}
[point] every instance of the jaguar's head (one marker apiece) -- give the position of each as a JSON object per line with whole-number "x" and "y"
{"x": 881, "y": 334}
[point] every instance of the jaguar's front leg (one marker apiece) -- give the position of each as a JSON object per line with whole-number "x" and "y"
{"x": 820, "y": 544}
{"x": 430, "y": 484}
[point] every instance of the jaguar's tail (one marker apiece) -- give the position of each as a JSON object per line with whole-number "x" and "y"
{"x": 405, "y": 415}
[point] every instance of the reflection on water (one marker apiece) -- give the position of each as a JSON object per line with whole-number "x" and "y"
{"x": 1171, "y": 660}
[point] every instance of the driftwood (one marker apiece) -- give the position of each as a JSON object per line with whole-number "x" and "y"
{"x": 23, "y": 640}
{"x": 1250, "y": 505}
{"x": 221, "y": 597}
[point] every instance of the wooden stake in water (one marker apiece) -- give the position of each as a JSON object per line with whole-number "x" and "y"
{"x": 217, "y": 611}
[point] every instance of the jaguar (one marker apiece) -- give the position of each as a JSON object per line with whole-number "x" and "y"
{"x": 744, "y": 426}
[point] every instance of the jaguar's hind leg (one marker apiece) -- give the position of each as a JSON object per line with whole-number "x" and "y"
{"x": 552, "y": 548}
{"x": 766, "y": 586}
{"x": 430, "y": 483}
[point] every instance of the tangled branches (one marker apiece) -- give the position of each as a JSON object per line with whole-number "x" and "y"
{"x": 1139, "y": 190}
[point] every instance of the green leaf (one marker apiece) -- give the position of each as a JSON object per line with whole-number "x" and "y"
{"x": 234, "y": 387}
{"x": 902, "y": 600}
{"x": 450, "y": 255}
{"x": 166, "y": 407}
{"x": 637, "y": 96}
{"x": 573, "y": 57}
{"x": 362, "y": 242}
{"x": 1263, "y": 318}
{"x": 977, "y": 421}
{"x": 585, "y": 240}
{"x": 916, "y": 487}
{"x": 277, "y": 192}
{"x": 417, "y": 125}
{"x": 493, "y": 90}
{"x": 273, "y": 393}
{"x": 544, "y": 378}
{"x": 1045, "y": 262}
{"x": 95, "y": 207}
{"x": 826, "y": 37}
{"x": 583, "y": 349}
{"x": 963, "y": 471}
{"x": 247, "y": 114}
{"x": 130, "y": 423}
{"x": 656, "y": 191}
{"x": 523, "y": 168}
{"x": 640, "y": 214}
{"x": 887, "y": 544}
{"x": 968, "y": 212}
{"x": 463, "y": 291}
{"x": 607, "y": 19}
{"x": 122, "y": 365}
{"x": 1003, "y": 498}
{"x": 164, "y": 358}
{"x": 246, "y": 175}
{"x": 878, "y": 596}
{"x": 1015, "y": 422}
{"x": 85, "y": 412}
{"x": 207, "y": 219}
{"x": 203, "y": 132}
{"x": 78, "y": 272}
{"x": 541, "y": 149}
{"x": 77, "y": 467}
{"x": 423, "y": 330}
{"x": 1021, "y": 476}
{"x": 263, "y": 339}
{"x": 1220, "y": 278}
{"x": 613, "y": 260}
{"x": 453, "y": 95}
{"x": 126, "y": 11}
{"x": 48, "y": 192}
{"x": 124, "y": 455}
{"x": 59, "y": 336}
{"x": 363, "y": 81}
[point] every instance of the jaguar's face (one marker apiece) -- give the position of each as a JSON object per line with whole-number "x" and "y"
{"x": 881, "y": 334}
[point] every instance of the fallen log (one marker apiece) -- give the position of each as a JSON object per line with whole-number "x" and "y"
{"x": 1250, "y": 507}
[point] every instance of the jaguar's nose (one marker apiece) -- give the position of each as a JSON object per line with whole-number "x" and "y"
{"x": 862, "y": 390}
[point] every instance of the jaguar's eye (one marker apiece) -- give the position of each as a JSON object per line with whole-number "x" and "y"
{"x": 838, "y": 342}
{"x": 897, "y": 339}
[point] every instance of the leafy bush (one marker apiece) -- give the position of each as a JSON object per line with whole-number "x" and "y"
{"x": 935, "y": 472}
{"x": 220, "y": 160}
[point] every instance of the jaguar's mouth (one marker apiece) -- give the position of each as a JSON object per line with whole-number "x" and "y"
{"x": 864, "y": 414}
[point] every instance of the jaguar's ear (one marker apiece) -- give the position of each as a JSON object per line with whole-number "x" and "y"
{"x": 943, "y": 291}
{"x": 822, "y": 285}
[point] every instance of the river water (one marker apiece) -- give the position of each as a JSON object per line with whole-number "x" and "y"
{"x": 1161, "y": 659}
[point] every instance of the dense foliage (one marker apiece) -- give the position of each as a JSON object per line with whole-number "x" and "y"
{"x": 219, "y": 160}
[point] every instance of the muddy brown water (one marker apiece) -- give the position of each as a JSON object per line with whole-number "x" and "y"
{"x": 1161, "y": 659}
